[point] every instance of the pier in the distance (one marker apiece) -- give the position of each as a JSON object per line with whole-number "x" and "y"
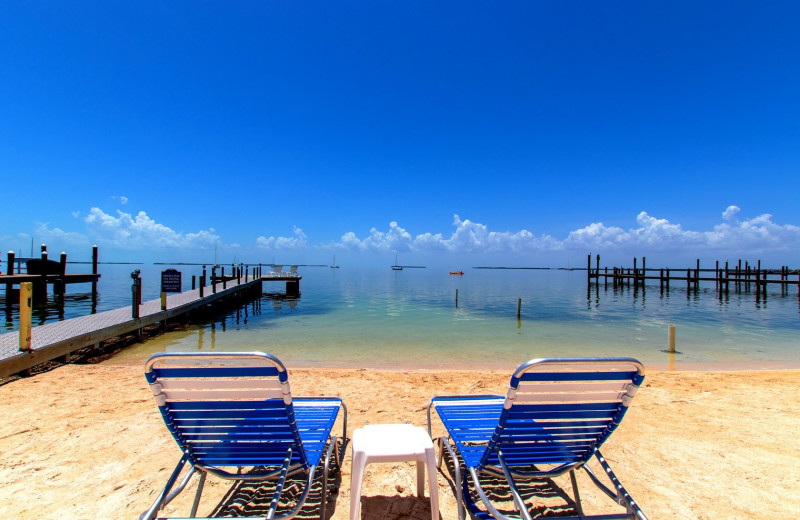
{"x": 742, "y": 276}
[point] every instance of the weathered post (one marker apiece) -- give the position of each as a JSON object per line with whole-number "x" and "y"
{"x": 9, "y": 285}
{"x": 136, "y": 288}
{"x": 44, "y": 251}
{"x": 644, "y": 270}
{"x": 519, "y": 307}
{"x": 697, "y": 276}
{"x": 94, "y": 271}
{"x": 456, "y": 298}
{"x": 224, "y": 281}
{"x": 194, "y": 286}
{"x": 60, "y": 285}
{"x": 671, "y": 339}
{"x": 214, "y": 279}
{"x": 25, "y": 307}
{"x": 758, "y": 284}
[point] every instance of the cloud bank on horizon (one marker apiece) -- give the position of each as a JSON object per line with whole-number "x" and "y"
{"x": 139, "y": 232}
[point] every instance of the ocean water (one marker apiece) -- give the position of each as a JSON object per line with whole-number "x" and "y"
{"x": 409, "y": 319}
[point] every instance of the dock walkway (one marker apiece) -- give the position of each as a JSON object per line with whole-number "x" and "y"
{"x": 60, "y": 338}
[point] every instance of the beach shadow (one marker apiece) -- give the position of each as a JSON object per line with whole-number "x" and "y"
{"x": 544, "y": 497}
{"x": 253, "y": 498}
{"x": 395, "y": 508}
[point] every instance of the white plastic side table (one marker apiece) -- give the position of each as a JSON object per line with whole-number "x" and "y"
{"x": 393, "y": 443}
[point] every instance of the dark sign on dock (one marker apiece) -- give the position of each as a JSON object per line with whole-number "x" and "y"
{"x": 170, "y": 280}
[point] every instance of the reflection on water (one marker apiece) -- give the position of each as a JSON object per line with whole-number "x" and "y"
{"x": 410, "y": 318}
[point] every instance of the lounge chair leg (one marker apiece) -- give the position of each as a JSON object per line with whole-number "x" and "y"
{"x": 578, "y": 507}
{"x": 621, "y": 496}
{"x": 163, "y": 498}
{"x": 523, "y": 510}
{"x": 457, "y": 468}
{"x": 273, "y": 505}
{"x": 331, "y": 449}
{"x": 200, "y": 484}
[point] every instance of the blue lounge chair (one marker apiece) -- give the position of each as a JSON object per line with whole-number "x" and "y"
{"x": 229, "y": 411}
{"x": 553, "y": 420}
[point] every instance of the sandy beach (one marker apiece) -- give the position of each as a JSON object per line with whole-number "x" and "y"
{"x": 86, "y": 441}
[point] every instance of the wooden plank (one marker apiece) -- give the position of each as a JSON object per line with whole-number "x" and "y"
{"x": 51, "y": 278}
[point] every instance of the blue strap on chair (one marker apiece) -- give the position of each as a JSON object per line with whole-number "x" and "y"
{"x": 235, "y": 410}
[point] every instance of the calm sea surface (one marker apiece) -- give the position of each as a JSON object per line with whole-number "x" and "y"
{"x": 384, "y": 318}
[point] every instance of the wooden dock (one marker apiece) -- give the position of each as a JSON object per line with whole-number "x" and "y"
{"x": 50, "y": 273}
{"x": 58, "y": 339}
{"x": 722, "y": 275}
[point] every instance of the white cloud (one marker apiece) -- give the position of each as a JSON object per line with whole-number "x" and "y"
{"x": 731, "y": 212}
{"x": 468, "y": 237}
{"x": 58, "y": 237}
{"x": 734, "y": 235}
{"x": 299, "y": 240}
{"x": 650, "y": 234}
{"x": 122, "y": 199}
{"x": 142, "y": 232}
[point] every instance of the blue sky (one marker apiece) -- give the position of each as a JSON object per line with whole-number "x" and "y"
{"x": 517, "y": 133}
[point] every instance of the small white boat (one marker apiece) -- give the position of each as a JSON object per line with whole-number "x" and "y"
{"x": 334, "y": 265}
{"x": 396, "y": 267}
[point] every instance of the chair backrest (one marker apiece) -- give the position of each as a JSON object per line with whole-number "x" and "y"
{"x": 293, "y": 269}
{"x": 557, "y": 411}
{"x": 227, "y": 408}
{"x": 277, "y": 269}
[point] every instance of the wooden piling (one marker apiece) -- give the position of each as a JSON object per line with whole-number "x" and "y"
{"x": 697, "y": 276}
{"x": 94, "y": 271}
{"x": 25, "y": 308}
{"x": 589, "y": 268}
{"x": 9, "y": 285}
{"x": 671, "y": 339}
{"x": 644, "y": 270}
{"x": 519, "y": 307}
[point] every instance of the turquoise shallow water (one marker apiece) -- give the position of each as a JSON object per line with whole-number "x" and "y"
{"x": 409, "y": 319}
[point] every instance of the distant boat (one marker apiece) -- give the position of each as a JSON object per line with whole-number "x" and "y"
{"x": 457, "y": 272}
{"x": 396, "y": 267}
{"x": 334, "y": 265}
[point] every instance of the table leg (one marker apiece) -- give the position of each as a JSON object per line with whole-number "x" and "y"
{"x": 420, "y": 478}
{"x": 356, "y": 478}
{"x": 433, "y": 482}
